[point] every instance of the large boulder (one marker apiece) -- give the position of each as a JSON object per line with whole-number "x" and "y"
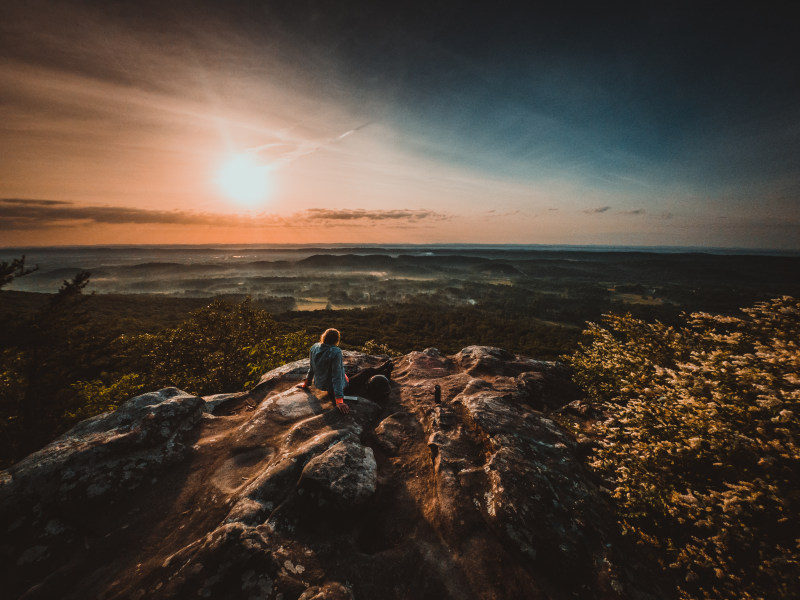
{"x": 106, "y": 455}
{"x": 344, "y": 476}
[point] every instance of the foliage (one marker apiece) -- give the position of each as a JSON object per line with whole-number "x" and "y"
{"x": 12, "y": 391}
{"x": 208, "y": 353}
{"x": 625, "y": 357}
{"x": 73, "y": 287}
{"x": 276, "y": 351}
{"x": 95, "y": 397}
{"x": 56, "y": 346}
{"x": 376, "y": 348}
{"x": 420, "y": 323}
{"x": 16, "y": 268}
{"x": 218, "y": 348}
{"x": 702, "y": 441}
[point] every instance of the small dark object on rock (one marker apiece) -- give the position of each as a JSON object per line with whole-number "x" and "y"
{"x": 378, "y": 387}
{"x": 437, "y": 394}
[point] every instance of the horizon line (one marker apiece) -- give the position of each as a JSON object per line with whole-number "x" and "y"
{"x": 433, "y": 245}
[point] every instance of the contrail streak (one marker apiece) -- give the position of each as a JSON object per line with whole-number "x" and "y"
{"x": 303, "y": 149}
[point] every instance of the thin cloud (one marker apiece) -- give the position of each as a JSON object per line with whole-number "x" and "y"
{"x": 18, "y": 214}
{"x": 373, "y": 215}
{"x": 32, "y": 201}
{"x": 25, "y": 214}
{"x": 636, "y": 211}
{"x": 306, "y": 148}
{"x": 301, "y": 149}
{"x": 495, "y": 214}
{"x": 596, "y": 211}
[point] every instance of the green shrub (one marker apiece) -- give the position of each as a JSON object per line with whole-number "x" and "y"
{"x": 95, "y": 397}
{"x": 275, "y": 352}
{"x": 210, "y": 352}
{"x": 376, "y": 348}
{"x": 702, "y": 443}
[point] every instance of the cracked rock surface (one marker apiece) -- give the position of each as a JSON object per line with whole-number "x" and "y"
{"x": 273, "y": 493}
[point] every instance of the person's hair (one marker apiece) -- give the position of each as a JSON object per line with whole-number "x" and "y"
{"x": 330, "y": 337}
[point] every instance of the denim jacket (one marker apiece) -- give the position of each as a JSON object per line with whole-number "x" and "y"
{"x": 327, "y": 369}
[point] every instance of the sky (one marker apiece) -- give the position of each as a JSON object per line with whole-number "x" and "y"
{"x": 355, "y": 121}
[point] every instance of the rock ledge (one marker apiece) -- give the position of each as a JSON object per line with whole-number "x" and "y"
{"x": 273, "y": 494}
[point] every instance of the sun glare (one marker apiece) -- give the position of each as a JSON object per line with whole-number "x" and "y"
{"x": 244, "y": 180}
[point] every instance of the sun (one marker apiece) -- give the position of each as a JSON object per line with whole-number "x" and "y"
{"x": 244, "y": 180}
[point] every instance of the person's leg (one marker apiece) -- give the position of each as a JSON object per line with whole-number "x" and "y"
{"x": 358, "y": 382}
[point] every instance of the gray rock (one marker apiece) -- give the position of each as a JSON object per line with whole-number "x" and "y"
{"x": 344, "y": 476}
{"x": 484, "y": 360}
{"x": 106, "y": 454}
{"x": 233, "y": 561}
{"x": 429, "y": 363}
{"x": 217, "y": 401}
{"x": 396, "y": 430}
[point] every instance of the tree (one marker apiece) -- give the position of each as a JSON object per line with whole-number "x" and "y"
{"x": 702, "y": 443}
{"x": 73, "y": 287}
{"x": 16, "y": 268}
{"x": 56, "y": 351}
{"x": 276, "y": 351}
{"x": 214, "y": 350}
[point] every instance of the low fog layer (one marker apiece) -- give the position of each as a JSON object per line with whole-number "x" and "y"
{"x": 316, "y": 278}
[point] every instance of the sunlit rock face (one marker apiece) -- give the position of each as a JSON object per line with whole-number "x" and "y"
{"x": 474, "y": 492}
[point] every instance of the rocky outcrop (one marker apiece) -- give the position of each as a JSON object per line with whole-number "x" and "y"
{"x": 104, "y": 456}
{"x": 476, "y": 492}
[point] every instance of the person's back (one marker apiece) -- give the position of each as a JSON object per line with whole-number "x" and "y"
{"x": 327, "y": 369}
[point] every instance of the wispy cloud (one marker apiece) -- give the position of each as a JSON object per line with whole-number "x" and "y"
{"x": 373, "y": 215}
{"x": 598, "y": 210}
{"x": 288, "y": 153}
{"x": 32, "y": 202}
{"x": 16, "y": 213}
{"x": 636, "y": 211}
{"x": 493, "y": 213}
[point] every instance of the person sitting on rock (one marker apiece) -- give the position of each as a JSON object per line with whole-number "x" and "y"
{"x": 326, "y": 370}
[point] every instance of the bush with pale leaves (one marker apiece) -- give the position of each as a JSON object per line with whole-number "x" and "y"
{"x": 701, "y": 444}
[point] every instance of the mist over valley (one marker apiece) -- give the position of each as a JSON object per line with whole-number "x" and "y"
{"x": 560, "y": 284}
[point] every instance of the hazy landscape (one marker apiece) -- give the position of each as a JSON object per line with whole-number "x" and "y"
{"x": 557, "y": 283}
